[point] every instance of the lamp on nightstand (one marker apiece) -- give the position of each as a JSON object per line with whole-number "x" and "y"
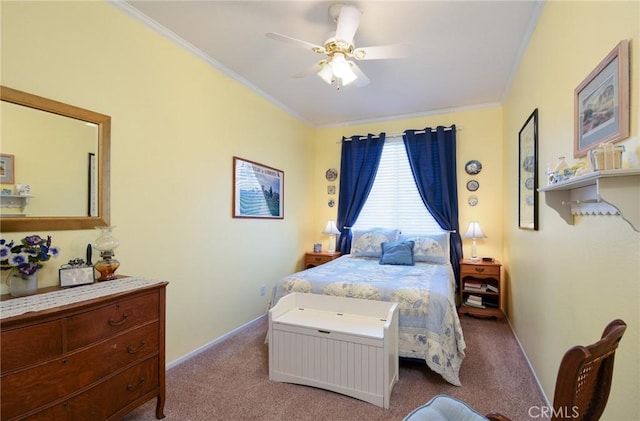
{"x": 332, "y": 230}
{"x": 474, "y": 232}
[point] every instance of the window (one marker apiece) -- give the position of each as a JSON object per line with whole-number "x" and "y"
{"x": 394, "y": 201}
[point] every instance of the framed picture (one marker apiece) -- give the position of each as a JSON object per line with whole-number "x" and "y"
{"x": 601, "y": 103}
{"x": 7, "y": 168}
{"x": 258, "y": 190}
{"x": 528, "y": 173}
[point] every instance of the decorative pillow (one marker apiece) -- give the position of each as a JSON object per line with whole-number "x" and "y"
{"x": 398, "y": 253}
{"x": 431, "y": 248}
{"x": 367, "y": 243}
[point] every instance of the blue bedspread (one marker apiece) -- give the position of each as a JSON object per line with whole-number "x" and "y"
{"x": 429, "y": 326}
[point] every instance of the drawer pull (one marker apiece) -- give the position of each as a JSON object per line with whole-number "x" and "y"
{"x": 132, "y": 350}
{"x": 64, "y": 361}
{"x": 324, "y": 331}
{"x": 479, "y": 269}
{"x": 119, "y": 322}
{"x": 318, "y": 259}
{"x": 131, "y": 387}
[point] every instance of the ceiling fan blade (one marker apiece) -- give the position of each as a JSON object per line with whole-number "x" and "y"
{"x": 348, "y": 22}
{"x": 308, "y": 45}
{"x": 314, "y": 68}
{"x": 380, "y": 52}
{"x": 362, "y": 79}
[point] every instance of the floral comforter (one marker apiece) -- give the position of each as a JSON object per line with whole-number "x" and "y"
{"x": 429, "y": 326}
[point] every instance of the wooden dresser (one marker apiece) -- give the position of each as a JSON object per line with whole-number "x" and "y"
{"x": 93, "y": 359}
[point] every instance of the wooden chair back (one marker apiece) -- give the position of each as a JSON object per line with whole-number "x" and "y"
{"x": 584, "y": 377}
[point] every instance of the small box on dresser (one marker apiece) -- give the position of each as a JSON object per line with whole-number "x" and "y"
{"x": 93, "y": 359}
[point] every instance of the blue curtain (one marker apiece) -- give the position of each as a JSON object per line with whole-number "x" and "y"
{"x": 360, "y": 160}
{"x": 432, "y": 156}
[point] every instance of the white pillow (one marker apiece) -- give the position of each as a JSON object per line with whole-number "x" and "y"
{"x": 431, "y": 248}
{"x": 367, "y": 243}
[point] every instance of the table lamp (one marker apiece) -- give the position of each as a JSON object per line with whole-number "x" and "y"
{"x": 332, "y": 230}
{"x": 474, "y": 232}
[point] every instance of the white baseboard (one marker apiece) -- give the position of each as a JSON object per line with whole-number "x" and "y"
{"x": 546, "y": 399}
{"x": 210, "y": 344}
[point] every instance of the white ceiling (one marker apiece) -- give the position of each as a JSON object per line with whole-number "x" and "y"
{"x": 462, "y": 54}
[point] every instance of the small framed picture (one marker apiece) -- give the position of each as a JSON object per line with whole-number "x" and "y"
{"x": 71, "y": 276}
{"x": 601, "y": 103}
{"x": 7, "y": 168}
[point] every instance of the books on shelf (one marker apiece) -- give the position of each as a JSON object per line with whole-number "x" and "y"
{"x": 474, "y": 301}
{"x": 479, "y": 286}
{"x": 492, "y": 288}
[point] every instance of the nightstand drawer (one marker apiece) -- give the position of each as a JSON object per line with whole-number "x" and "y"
{"x": 317, "y": 259}
{"x": 487, "y": 270}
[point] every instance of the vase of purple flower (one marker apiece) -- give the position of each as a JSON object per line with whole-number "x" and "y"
{"x": 24, "y": 259}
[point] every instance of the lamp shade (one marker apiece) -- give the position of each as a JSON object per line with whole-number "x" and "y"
{"x": 331, "y": 228}
{"x": 474, "y": 231}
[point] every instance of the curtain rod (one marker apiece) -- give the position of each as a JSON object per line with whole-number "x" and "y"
{"x": 396, "y": 135}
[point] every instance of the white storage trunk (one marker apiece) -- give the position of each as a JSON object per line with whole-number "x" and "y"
{"x": 345, "y": 345}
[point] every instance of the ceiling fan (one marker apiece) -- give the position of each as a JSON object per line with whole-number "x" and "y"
{"x": 336, "y": 68}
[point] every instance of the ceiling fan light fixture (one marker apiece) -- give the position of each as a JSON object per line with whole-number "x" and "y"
{"x": 348, "y": 77}
{"x": 339, "y": 65}
{"x": 326, "y": 73}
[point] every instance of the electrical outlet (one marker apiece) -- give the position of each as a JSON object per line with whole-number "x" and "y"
{"x": 263, "y": 290}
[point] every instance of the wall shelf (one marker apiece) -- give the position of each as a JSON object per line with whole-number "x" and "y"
{"x": 14, "y": 201}
{"x": 606, "y": 192}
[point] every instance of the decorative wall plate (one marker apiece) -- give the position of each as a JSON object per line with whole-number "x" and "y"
{"x": 473, "y": 200}
{"x": 473, "y": 167}
{"x": 331, "y": 203}
{"x": 331, "y": 174}
{"x": 331, "y": 189}
{"x": 473, "y": 185}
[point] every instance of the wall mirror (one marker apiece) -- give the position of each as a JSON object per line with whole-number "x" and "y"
{"x": 55, "y": 164}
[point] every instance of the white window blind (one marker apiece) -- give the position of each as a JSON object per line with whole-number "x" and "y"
{"x": 394, "y": 201}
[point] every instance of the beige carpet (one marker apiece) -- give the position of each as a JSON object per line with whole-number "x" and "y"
{"x": 230, "y": 381}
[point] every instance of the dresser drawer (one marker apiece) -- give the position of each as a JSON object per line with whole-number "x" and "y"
{"x": 106, "y": 399}
{"x": 24, "y": 346}
{"x": 476, "y": 270}
{"x": 103, "y": 322}
{"x": 31, "y": 388}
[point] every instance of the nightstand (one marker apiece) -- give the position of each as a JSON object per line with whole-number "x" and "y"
{"x": 316, "y": 259}
{"x": 480, "y": 288}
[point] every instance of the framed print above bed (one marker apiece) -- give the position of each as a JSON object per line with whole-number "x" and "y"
{"x": 601, "y": 103}
{"x": 258, "y": 190}
{"x": 528, "y": 174}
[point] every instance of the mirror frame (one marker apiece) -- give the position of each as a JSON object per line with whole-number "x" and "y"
{"x": 41, "y": 223}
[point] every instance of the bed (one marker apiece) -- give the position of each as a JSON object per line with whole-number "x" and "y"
{"x": 423, "y": 284}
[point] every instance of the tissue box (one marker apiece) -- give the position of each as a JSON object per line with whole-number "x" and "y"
{"x": 606, "y": 157}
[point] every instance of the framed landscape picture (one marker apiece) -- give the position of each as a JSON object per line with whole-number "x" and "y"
{"x": 601, "y": 103}
{"x": 528, "y": 173}
{"x": 258, "y": 190}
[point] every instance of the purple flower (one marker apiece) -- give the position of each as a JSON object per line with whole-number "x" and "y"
{"x": 27, "y": 255}
{"x": 33, "y": 240}
{"x": 28, "y": 269}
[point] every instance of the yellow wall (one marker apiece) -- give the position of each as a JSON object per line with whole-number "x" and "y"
{"x": 567, "y": 282}
{"x": 176, "y": 124}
